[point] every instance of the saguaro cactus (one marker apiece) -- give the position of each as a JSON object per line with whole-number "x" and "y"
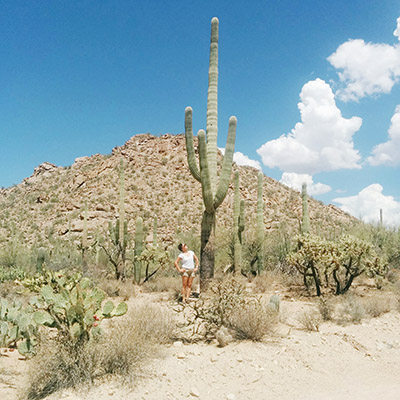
{"x": 213, "y": 192}
{"x": 260, "y": 224}
{"x": 238, "y": 225}
{"x": 305, "y": 224}
{"x": 84, "y": 243}
{"x": 138, "y": 249}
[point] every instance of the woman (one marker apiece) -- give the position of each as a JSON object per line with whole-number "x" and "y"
{"x": 189, "y": 267}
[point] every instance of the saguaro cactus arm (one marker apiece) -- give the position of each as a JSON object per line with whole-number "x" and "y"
{"x": 192, "y": 162}
{"x": 226, "y": 170}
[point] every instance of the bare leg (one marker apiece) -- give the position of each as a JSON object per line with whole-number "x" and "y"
{"x": 189, "y": 286}
{"x": 184, "y": 287}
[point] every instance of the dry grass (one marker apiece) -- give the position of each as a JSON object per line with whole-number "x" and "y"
{"x": 326, "y": 309}
{"x": 263, "y": 283}
{"x": 252, "y": 321}
{"x": 121, "y": 351}
{"x": 377, "y": 306}
{"x": 115, "y": 288}
{"x": 351, "y": 310}
{"x": 65, "y": 366}
{"x": 163, "y": 284}
{"x": 310, "y": 320}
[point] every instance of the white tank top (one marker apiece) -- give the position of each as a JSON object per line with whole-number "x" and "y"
{"x": 187, "y": 260}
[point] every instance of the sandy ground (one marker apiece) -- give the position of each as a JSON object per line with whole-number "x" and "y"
{"x": 338, "y": 362}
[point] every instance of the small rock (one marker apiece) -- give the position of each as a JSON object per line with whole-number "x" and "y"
{"x": 230, "y": 396}
{"x": 180, "y": 356}
{"x": 213, "y": 358}
{"x": 178, "y": 344}
{"x": 194, "y": 392}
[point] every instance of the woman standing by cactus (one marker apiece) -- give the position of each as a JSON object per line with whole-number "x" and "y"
{"x": 188, "y": 268}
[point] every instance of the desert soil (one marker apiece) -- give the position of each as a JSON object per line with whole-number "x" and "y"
{"x": 338, "y": 362}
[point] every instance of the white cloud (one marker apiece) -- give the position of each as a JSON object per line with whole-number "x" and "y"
{"x": 368, "y": 203}
{"x": 321, "y": 142}
{"x": 397, "y": 30}
{"x": 295, "y": 181}
{"x": 367, "y": 68}
{"x": 388, "y": 153}
{"x": 241, "y": 159}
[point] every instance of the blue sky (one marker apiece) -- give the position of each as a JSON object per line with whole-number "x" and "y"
{"x": 315, "y": 86}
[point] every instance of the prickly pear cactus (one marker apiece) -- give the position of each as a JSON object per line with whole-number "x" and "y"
{"x": 70, "y": 304}
{"x": 18, "y": 327}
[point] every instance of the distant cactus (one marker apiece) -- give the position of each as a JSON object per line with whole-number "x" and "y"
{"x": 84, "y": 243}
{"x": 40, "y": 259}
{"x": 305, "y": 225}
{"x": 118, "y": 234}
{"x": 138, "y": 249}
{"x": 274, "y": 303}
{"x": 260, "y": 224}
{"x": 238, "y": 225}
{"x": 213, "y": 192}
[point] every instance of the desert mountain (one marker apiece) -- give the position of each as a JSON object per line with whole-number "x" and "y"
{"x": 158, "y": 183}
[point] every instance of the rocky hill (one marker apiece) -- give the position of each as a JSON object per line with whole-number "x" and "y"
{"x": 158, "y": 183}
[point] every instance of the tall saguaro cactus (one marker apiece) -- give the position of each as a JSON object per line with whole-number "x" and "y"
{"x": 260, "y": 224}
{"x": 305, "y": 224}
{"x": 213, "y": 192}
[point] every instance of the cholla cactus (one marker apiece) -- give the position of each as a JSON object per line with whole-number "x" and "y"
{"x": 352, "y": 258}
{"x": 213, "y": 192}
{"x": 335, "y": 263}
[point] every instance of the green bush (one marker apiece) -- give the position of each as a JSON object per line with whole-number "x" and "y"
{"x": 228, "y": 304}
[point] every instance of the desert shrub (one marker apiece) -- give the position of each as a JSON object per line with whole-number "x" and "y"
{"x": 121, "y": 351}
{"x": 326, "y": 309}
{"x": 228, "y": 304}
{"x": 131, "y": 341}
{"x": 376, "y": 306}
{"x": 252, "y": 321}
{"x": 262, "y": 283}
{"x": 351, "y": 310}
{"x": 65, "y": 367}
{"x": 310, "y": 321}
